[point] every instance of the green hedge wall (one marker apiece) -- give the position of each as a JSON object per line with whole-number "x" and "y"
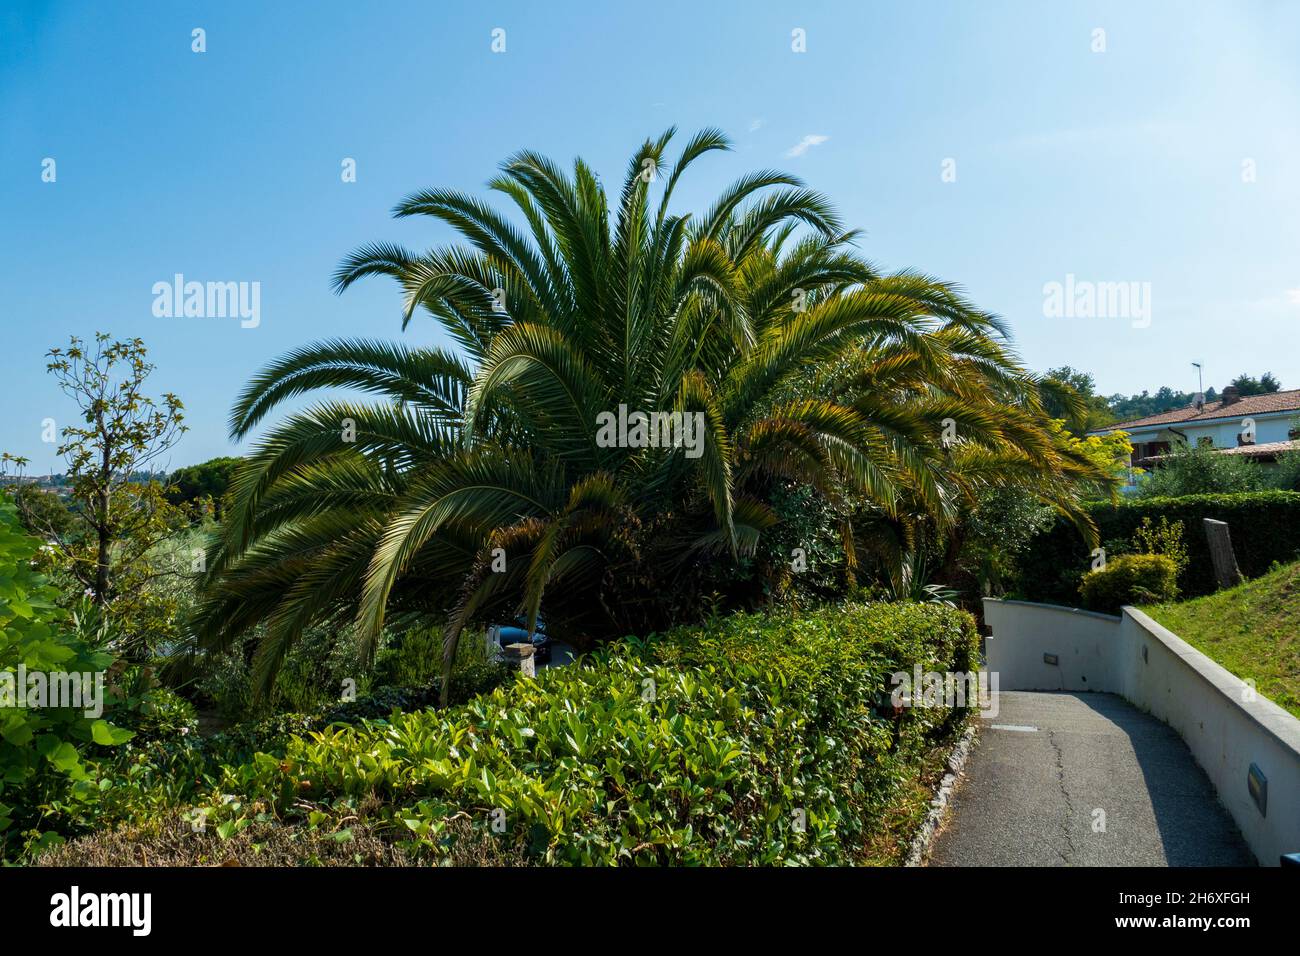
{"x": 1265, "y": 527}
{"x": 756, "y": 739}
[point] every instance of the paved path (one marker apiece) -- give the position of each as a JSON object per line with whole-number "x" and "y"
{"x": 1048, "y": 761}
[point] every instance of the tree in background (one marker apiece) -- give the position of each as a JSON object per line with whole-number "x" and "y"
{"x": 41, "y": 512}
{"x": 1071, "y": 396}
{"x": 1126, "y": 408}
{"x": 206, "y": 481}
{"x": 116, "y": 518}
{"x": 982, "y": 550}
{"x": 1248, "y": 385}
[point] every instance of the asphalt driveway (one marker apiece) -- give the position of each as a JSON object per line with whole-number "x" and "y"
{"x": 1066, "y": 779}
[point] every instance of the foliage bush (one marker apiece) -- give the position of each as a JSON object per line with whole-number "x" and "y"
{"x": 1203, "y": 470}
{"x": 467, "y": 682}
{"x": 1130, "y": 579}
{"x": 151, "y": 711}
{"x": 996, "y": 531}
{"x": 1286, "y": 475}
{"x": 312, "y": 677}
{"x": 168, "y": 765}
{"x": 753, "y": 739}
{"x": 43, "y": 768}
{"x": 1165, "y": 537}
{"x": 414, "y": 658}
{"x": 1265, "y": 528}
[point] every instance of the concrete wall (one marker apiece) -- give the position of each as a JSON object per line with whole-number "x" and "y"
{"x": 1225, "y": 725}
{"x": 1082, "y": 641}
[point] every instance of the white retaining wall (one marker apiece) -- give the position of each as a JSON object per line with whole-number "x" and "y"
{"x": 1160, "y": 673}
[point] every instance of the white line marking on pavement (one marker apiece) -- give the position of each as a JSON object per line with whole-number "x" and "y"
{"x": 1021, "y": 728}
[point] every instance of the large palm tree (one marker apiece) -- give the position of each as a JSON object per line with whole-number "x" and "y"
{"x": 477, "y": 486}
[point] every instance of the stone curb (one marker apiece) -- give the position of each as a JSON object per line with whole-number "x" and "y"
{"x": 939, "y": 805}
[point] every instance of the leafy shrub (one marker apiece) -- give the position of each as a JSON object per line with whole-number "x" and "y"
{"x": 312, "y": 677}
{"x": 752, "y": 740}
{"x": 223, "y": 683}
{"x": 412, "y": 659}
{"x": 1165, "y": 538}
{"x": 1286, "y": 476}
{"x": 43, "y": 769}
{"x": 1265, "y": 528}
{"x": 1130, "y": 579}
{"x": 809, "y": 521}
{"x": 407, "y": 673}
{"x": 1203, "y": 470}
{"x": 997, "y": 530}
{"x": 156, "y": 713}
{"x": 319, "y": 665}
{"x": 467, "y": 682}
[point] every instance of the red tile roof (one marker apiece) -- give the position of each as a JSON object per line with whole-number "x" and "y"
{"x": 1243, "y": 407}
{"x": 1267, "y": 450}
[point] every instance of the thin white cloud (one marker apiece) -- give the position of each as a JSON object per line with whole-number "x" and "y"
{"x": 1293, "y": 296}
{"x": 805, "y": 144}
{"x": 756, "y": 124}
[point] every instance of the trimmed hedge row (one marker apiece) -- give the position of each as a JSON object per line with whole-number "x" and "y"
{"x": 1265, "y": 527}
{"x": 752, "y": 740}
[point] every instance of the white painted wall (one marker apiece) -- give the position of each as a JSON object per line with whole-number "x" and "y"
{"x": 1269, "y": 427}
{"x": 1160, "y": 673}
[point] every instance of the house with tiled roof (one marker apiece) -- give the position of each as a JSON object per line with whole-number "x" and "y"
{"x": 1256, "y": 426}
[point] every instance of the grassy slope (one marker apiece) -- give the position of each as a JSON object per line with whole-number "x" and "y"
{"x": 1253, "y": 630}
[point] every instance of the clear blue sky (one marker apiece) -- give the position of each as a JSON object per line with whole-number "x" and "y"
{"x": 1117, "y": 166}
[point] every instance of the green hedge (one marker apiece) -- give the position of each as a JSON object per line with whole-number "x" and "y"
{"x": 753, "y": 740}
{"x": 1265, "y": 527}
